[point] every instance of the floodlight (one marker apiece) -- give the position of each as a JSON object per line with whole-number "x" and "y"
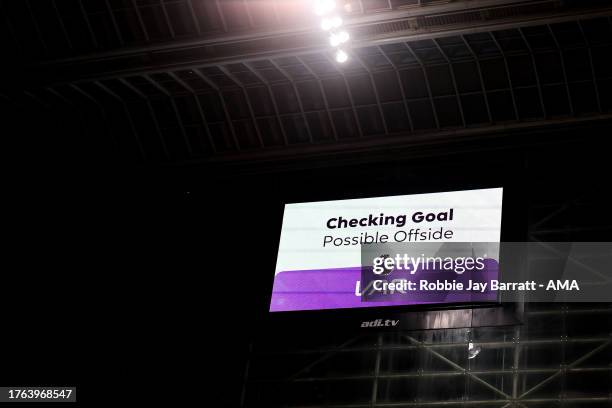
{"x": 324, "y": 6}
{"x": 338, "y": 38}
{"x": 341, "y": 56}
{"x": 331, "y": 22}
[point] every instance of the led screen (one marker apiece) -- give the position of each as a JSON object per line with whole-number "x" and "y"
{"x": 319, "y": 261}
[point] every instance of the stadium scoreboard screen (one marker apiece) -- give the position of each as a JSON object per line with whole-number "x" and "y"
{"x": 320, "y": 262}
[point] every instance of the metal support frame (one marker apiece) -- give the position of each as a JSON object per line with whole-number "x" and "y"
{"x": 221, "y": 16}
{"x": 379, "y": 343}
{"x": 94, "y": 101}
{"x": 452, "y": 73}
{"x": 200, "y": 109}
{"x": 39, "y": 34}
{"x": 517, "y": 398}
{"x": 272, "y": 49}
{"x": 275, "y": 11}
{"x": 431, "y": 99}
{"x": 273, "y": 100}
{"x": 245, "y": 4}
{"x": 9, "y": 26}
{"x": 174, "y": 109}
{"x": 595, "y": 82}
{"x": 151, "y": 111}
{"x": 61, "y": 97}
{"x": 509, "y": 77}
{"x": 401, "y": 86}
{"x": 325, "y": 357}
{"x": 194, "y": 18}
{"x": 571, "y": 259}
{"x": 300, "y": 103}
{"x": 247, "y": 367}
{"x": 127, "y": 112}
{"x": 482, "y": 84}
{"x": 349, "y": 93}
{"x": 533, "y": 231}
{"x": 62, "y": 25}
{"x": 443, "y": 346}
{"x": 562, "y": 370}
{"x": 374, "y": 89}
{"x": 228, "y": 118}
{"x": 563, "y": 70}
{"x": 248, "y": 103}
{"x": 167, "y": 20}
{"x": 535, "y": 69}
{"x": 467, "y": 403}
{"x": 145, "y": 32}
{"x": 114, "y": 21}
{"x": 92, "y": 35}
{"x": 37, "y": 100}
{"x": 458, "y": 367}
{"x": 439, "y": 374}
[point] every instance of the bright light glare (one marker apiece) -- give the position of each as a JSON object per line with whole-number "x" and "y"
{"x": 332, "y": 22}
{"x": 334, "y": 40}
{"x": 339, "y": 38}
{"x": 324, "y": 6}
{"x": 341, "y": 56}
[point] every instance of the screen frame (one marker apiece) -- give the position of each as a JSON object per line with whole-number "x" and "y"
{"x": 510, "y": 230}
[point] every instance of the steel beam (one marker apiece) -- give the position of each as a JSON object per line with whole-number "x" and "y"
{"x": 62, "y": 25}
{"x": 228, "y": 118}
{"x": 174, "y": 109}
{"x": 452, "y": 73}
{"x": 349, "y": 93}
{"x": 299, "y": 100}
{"x": 128, "y": 115}
{"x": 509, "y": 77}
{"x": 145, "y": 32}
{"x": 200, "y": 109}
{"x": 194, "y": 18}
{"x": 562, "y": 370}
{"x": 92, "y": 35}
{"x": 306, "y": 35}
{"x": 274, "y": 104}
{"x": 535, "y": 70}
{"x": 431, "y": 98}
{"x": 595, "y": 82}
{"x": 114, "y": 21}
{"x": 375, "y": 90}
{"x": 401, "y": 86}
{"x": 146, "y": 100}
{"x": 563, "y": 70}
{"x": 482, "y": 84}
{"x": 39, "y": 34}
{"x": 326, "y": 356}
{"x": 248, "y": 103}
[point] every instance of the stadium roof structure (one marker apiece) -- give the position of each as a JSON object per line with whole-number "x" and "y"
{"x": 217, "y": 81}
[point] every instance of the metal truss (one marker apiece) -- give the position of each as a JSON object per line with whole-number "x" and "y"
{"x": 230, "y": 80}
{"x": 520, "y": 395}
{"x": 386, "y": 66}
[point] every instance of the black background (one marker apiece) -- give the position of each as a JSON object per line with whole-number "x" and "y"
{"x": 115, "y": 276}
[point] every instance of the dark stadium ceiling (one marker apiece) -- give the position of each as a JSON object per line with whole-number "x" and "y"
{"x": 180, "y": 80}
